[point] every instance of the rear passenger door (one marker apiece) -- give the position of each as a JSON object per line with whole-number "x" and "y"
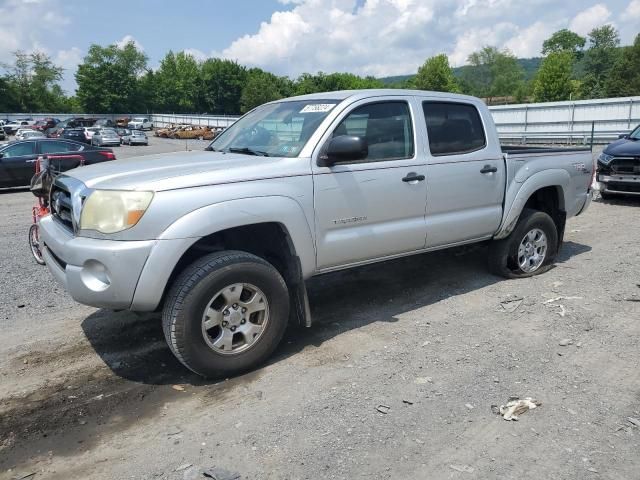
{"x": 371, "y": 208}
{"x": 465, "y": 176}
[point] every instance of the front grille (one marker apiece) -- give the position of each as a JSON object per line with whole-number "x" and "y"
{"x": 624, "y": 187}
{"x": 61, "y": 207}
{"x": 625, "y": 165}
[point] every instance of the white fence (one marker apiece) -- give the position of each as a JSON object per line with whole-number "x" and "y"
{"x": 553, "y": 122}
{"x": 567, "y": 121}
{"x": 163, "y": 120}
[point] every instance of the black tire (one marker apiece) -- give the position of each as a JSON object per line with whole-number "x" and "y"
{"x": 503, "y": 253}
{"x": 34, "y": 244}
{"x": 192, "y": 291}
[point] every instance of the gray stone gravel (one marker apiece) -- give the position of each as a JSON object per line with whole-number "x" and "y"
{"x": 426, "y": 336}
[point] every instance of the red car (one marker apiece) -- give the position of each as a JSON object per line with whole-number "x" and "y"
{"x": 45, "y": 124}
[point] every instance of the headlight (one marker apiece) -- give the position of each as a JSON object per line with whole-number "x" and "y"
{"x": 111, "y": 211}
{"x": 605, "y": 158}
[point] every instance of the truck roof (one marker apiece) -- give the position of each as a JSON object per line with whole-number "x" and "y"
{"x": 377, "y": 92}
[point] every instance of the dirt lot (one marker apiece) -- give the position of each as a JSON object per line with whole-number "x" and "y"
{"x": 94, "y": 394}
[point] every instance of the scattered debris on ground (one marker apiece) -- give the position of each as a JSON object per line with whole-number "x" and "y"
{"x": 515, "y": 407}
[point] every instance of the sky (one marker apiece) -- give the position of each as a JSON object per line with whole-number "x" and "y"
{"x": 289, "y": 37}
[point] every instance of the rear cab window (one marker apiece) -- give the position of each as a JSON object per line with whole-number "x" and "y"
{"x": 453, "y": 128}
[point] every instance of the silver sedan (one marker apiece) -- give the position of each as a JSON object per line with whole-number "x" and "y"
{"x": 105, "y": 136}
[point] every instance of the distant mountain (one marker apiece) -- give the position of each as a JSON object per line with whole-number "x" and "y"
{"x": 530, "y": 66}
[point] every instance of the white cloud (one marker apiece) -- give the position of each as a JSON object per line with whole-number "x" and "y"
{"x": 19, "y": 31}
{"x": 589, "y": 19}
{"x": 128, "y": 39}
{"x": 526, "y": 43}
{"x": 199, "y": 55}
{"x": 632, "y": 12}
{"x": 390, "y": 37}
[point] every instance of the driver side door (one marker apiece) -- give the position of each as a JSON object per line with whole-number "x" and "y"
{"x": 375, "y": 207}
{"x": 17, "y": 164}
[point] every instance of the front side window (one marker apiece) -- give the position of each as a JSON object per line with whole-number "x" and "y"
{"x": 276, "y": 130}
{"x": 19, "y": 150}
{"x": 453, "y": 128}
{"x": 387, "y": 128}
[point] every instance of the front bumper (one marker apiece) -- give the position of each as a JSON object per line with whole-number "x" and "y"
{"x": 100, "y": 273}
{"x": 619, "y": 184}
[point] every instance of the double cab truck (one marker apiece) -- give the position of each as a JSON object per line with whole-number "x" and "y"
{"x": 222, "y": 241}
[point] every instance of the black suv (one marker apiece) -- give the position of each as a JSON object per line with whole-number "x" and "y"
{"x": 619, "y": 166}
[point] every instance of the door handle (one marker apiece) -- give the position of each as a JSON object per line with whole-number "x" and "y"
{"x": 489, "y": 169}
{"x": 413, "y": 177}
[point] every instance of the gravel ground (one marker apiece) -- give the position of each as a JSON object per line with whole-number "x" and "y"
{"x": 395, "y": 380}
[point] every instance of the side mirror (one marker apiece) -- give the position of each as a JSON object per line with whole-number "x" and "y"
{"x": 623, "y": 135}
{"x": 344, "y": 148}
{"x": 1, "y": 155}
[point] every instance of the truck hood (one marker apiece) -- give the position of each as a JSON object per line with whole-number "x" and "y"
{"x": 172, "y": 171}
{"x": 624, "y": 148}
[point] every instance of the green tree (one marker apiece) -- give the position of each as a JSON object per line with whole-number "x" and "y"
{"x": 262, "y": 87}
{"x": 436, "y": 75}
{"x": 624, "y": 77}
{"x": 553, "y": 82}
{"x": 109, "y": 79}
{"x": 322, "y": 82}
{"x": 497, "y": 73}
{"x": 564, "y": 41}
{"x": 32, "y": 83}
{"x": 599, "y": 59}
{"x": 221, "y": 86}
{"x": 176, "y": 83}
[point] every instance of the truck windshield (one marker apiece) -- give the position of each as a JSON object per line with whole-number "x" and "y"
{"x": 274, "y": 130}
{"x": 635, "y": 135}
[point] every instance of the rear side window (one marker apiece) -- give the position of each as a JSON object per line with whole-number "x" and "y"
{"x": 453, "y": 128}
{"x": 55, "y": 146}
{"x": 387, "y": 128}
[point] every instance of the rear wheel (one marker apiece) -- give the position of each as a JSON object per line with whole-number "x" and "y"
{"x": 34, "y": 244}
{"x": 226, "y": 313}
{"x": 529, "y": 250}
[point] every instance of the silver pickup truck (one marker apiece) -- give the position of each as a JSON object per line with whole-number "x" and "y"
{"x": 222, "y": 241}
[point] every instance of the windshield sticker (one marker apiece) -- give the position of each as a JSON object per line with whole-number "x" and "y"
{"x": 317, "y": 108}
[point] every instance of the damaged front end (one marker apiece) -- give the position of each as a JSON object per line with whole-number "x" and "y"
{"x": 619, "y": 174}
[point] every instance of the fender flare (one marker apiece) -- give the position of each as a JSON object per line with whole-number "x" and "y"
{"x": 187, "y": 230}
{"x": 547, "y": 178}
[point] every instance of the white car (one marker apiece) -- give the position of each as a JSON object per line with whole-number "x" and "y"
{"x": 13, "y": 127}
{"x": 140, "y": 123}
{"x": 27, "y": 133}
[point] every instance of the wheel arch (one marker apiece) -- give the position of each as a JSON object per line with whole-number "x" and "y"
{"x": 545, "y": 191}
{"x": 272, "y": 228}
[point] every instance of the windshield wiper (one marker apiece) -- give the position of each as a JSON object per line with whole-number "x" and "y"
{"x": 248, "y": 151}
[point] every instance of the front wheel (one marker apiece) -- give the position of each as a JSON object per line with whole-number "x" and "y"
{"x": 529, "y": 250}
{"x": 34, "y": 244}
{"x": 226, "y": 313}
